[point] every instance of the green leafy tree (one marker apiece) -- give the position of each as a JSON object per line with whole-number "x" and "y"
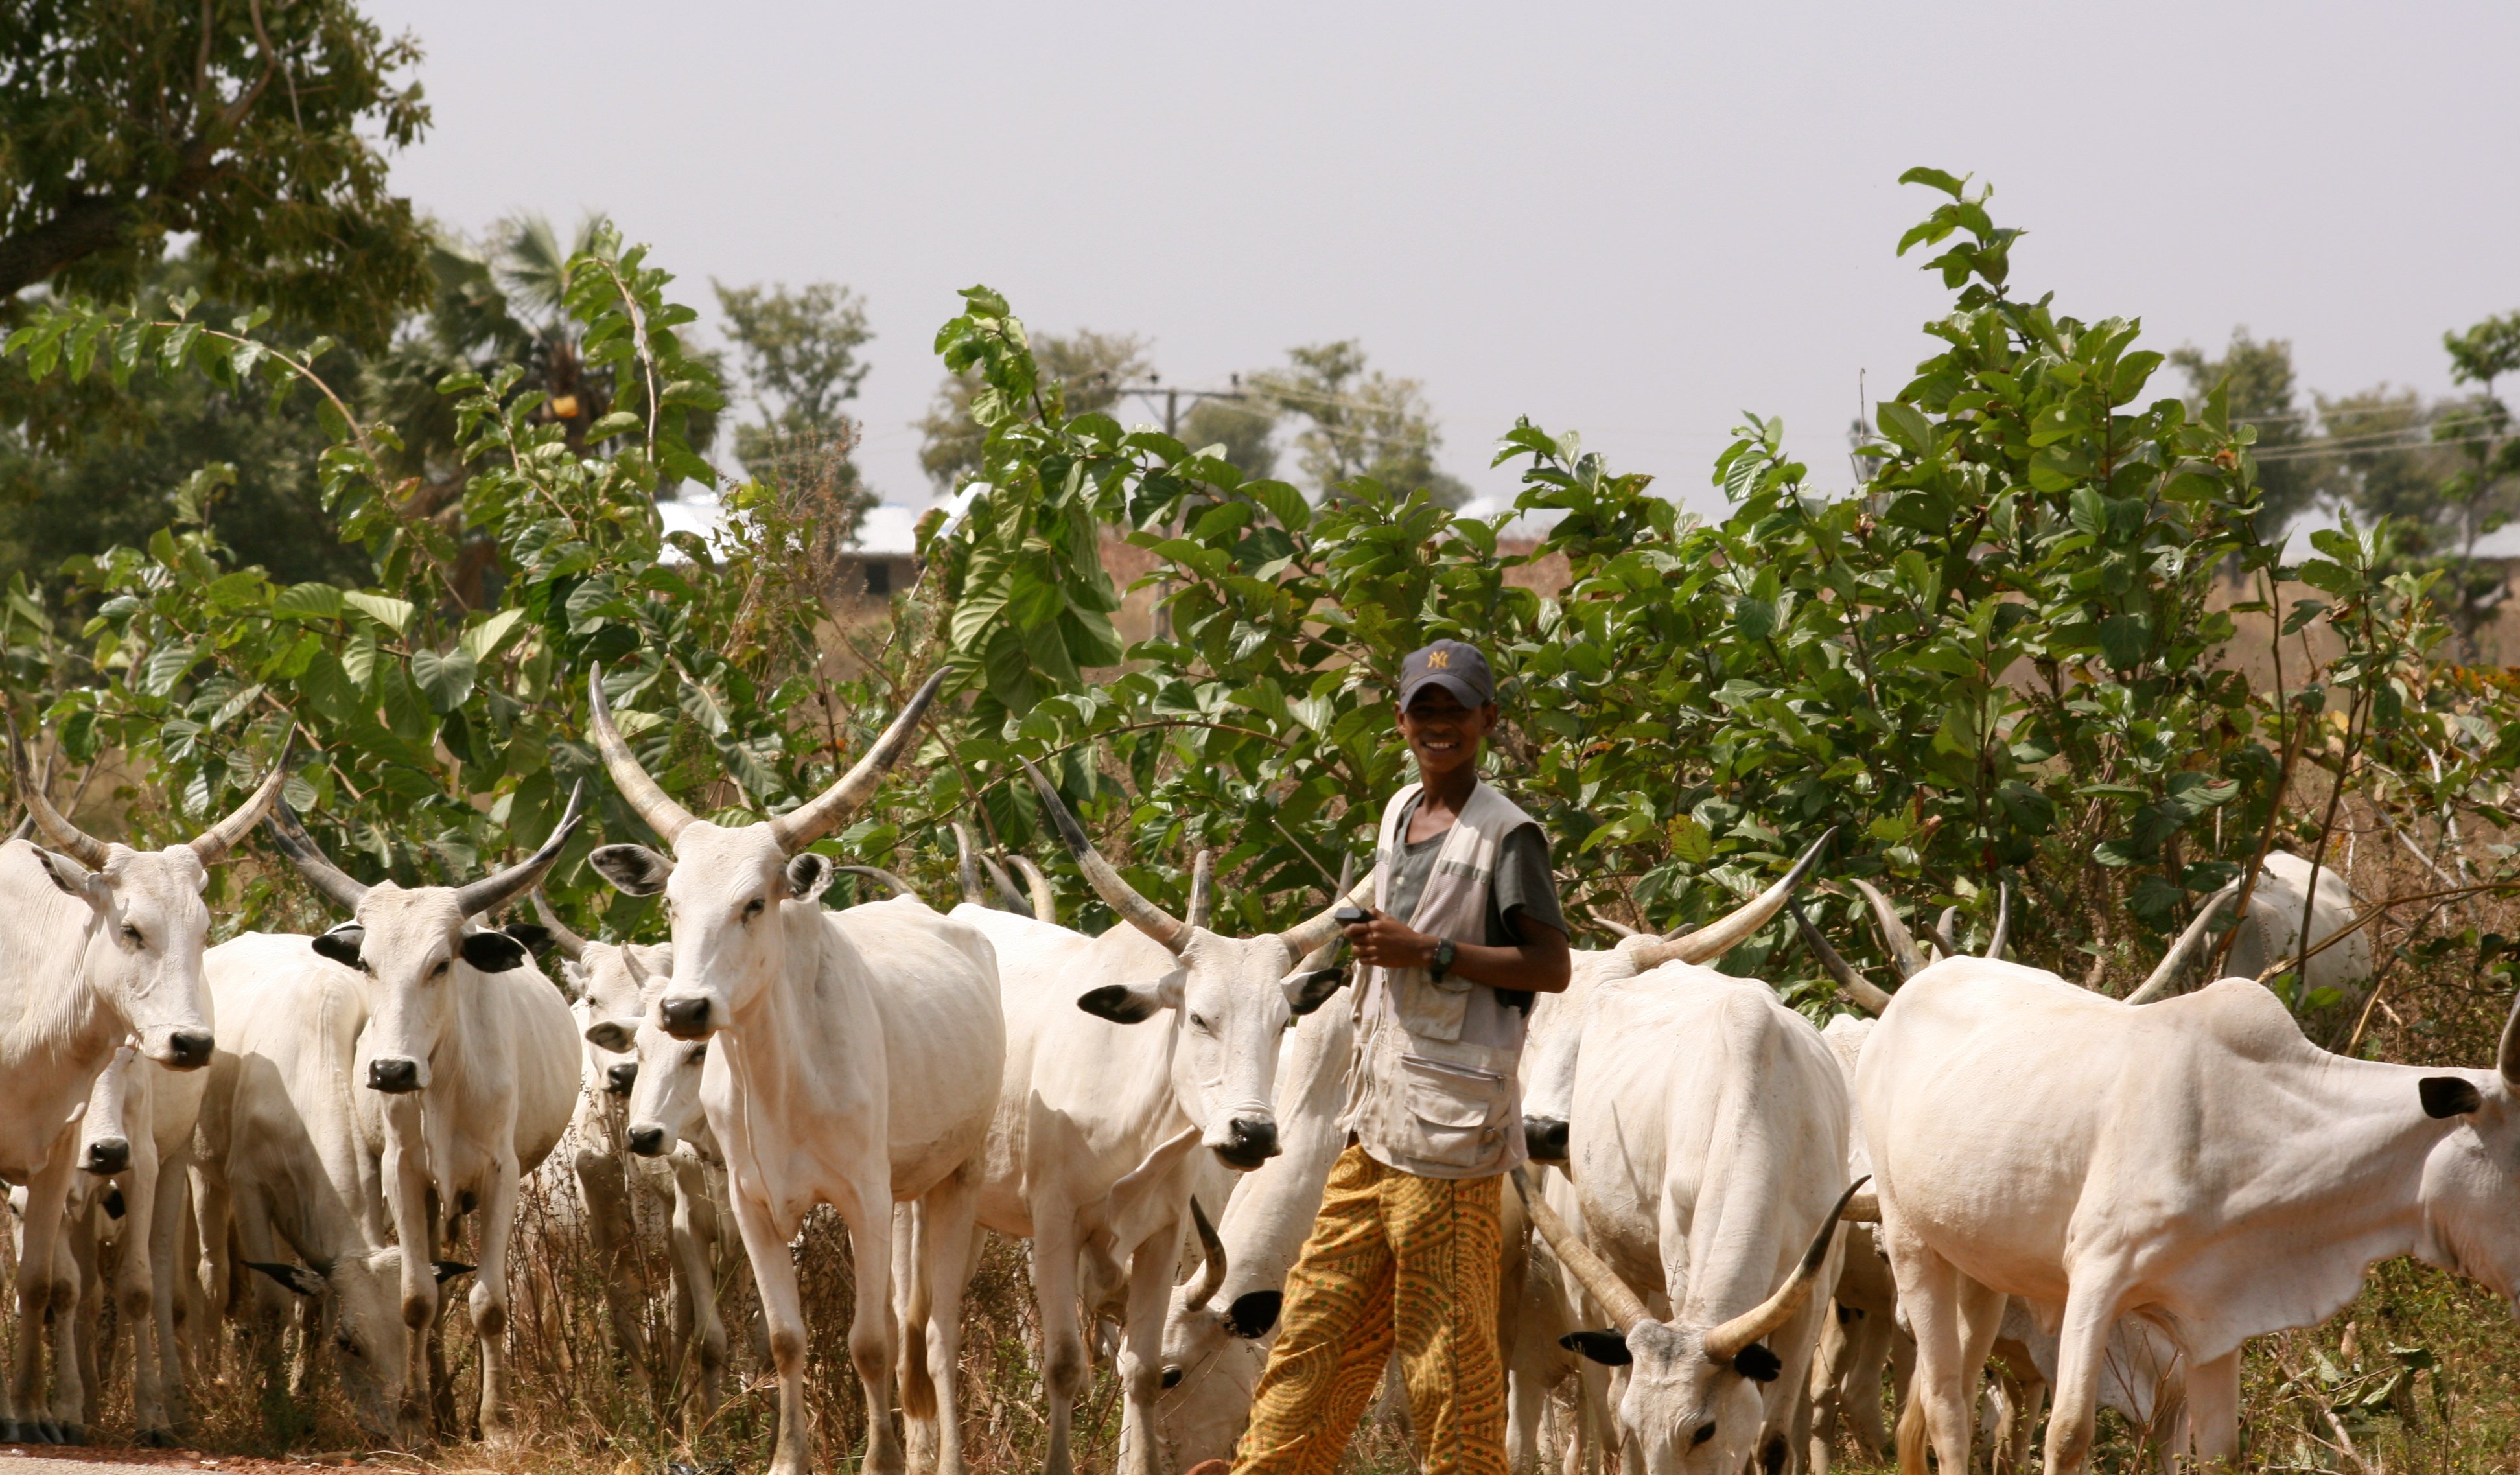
{"x": 1090, "y": 367}
{"x": 2257, "y": 382}
{"x": 799, "y": 356}
{"x": 1357, "y": 423}
{"x": 1242, "y": 424}
{"x": 257, "y": 129}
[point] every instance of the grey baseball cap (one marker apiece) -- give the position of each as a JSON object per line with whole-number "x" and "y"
{"x": 1455, "y": 667}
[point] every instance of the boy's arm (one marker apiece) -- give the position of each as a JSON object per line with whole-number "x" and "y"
{"x": 1539, "y": 965}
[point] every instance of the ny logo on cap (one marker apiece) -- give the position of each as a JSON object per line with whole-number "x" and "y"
{"x": 1439, "y": 660}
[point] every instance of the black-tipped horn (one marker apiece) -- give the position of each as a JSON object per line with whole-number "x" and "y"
{"x": 1724, "y": 933}
{"x": 831, "y": 808}
{"x": 1859, "y": 991}
{"x": 1117, "y": 894}
{"x": 570, "y": 945}
{"x": 491, "y": 891}
{"x": 309, "y": 858}
{"x": 1940, "y": 936}
{"x": 1211, "y": 1250}
{"x": 899, "y": 886}
{"x": 66, "y": 837}
{"x": 1726, "y": 1342}
{"x": 216, "y": 841}
{"x": 645, "y": 795}
{"x": 1903, "y": 954}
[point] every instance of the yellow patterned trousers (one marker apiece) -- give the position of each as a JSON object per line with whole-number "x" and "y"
{"x": 1394, "y": 1259}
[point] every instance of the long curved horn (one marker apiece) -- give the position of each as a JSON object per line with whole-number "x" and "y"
{"x": 1117, "y": 894}
{"x": 648, "y": 798}
{"x": 1322, "y": 927}
{"x": 1602, "y": 1284}
{"x": 213, "y": 843}
{"x": 477, "y": 897}
{"x": 1202, "y": 888}
{"x": 966, "y": 865}
{"x": 1724, "y": 934}
{"x": 570, "y": 945}
{"x": 1211, "y": 1251}
{"x": 1859, "y": 990}
{"x": 2166, "y": 972}
{"x": 309, "y": 858}
{"x": 1902, "y": 948}
{"x": 2003, "y": 919}
{"x": 1726, "y": 1342}
{"x": 1860, "y": 1208}
{"x": 899, "y": 886}
{"x": 66, "y": 837}
{"x": 2507, "y": 1055}
{"x": 1015, "y": 901}
{"x": 1940, "y": 938}
{"x": 1045, "y": 897}
{"x": 831, "y": 809}
{"x": 1615, "y": 928}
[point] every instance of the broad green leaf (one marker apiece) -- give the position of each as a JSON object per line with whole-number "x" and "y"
{"x": 392, "y": 614}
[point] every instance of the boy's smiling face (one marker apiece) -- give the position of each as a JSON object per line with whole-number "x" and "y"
{"x": 1442, "y": 734}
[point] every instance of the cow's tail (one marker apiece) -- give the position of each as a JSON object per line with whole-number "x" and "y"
{"x": 1912, "y": 1431}
{"x": 918, "y": 1299}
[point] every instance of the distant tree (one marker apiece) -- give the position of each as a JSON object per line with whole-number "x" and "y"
{"x": 257, "y": 129}
{"x": 1090, "y": 367}
{"x": 1247, "y": 428}
{"x": 2257, "y": 380}
{"x": 2379, "y": 463}
{"x": 2479, "y": 494}
{"x": 799, "y": 356}
{"x": 1358, "y": 423}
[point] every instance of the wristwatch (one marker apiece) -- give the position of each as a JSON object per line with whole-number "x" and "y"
{"x": 1442, "y": 960}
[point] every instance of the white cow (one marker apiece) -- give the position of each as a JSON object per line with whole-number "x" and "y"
{"x": 1092, "y": 1094}
{"x": 2101, "y": 1160}
{"x": 621, "y": 1153}
{"x": 102, "y": 942}
{"x": 469, "y": 1056}
{"x": 853, "y": 1064}
{"x": 1708, "y": 1142}
{"x": 288, "y": 1160}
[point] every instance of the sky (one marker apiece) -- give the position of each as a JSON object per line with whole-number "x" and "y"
{"x": 1637, "y": 221}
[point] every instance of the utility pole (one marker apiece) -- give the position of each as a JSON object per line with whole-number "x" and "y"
{"x": 1173, "y": 395}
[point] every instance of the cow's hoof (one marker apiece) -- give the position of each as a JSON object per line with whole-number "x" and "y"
{"x": 9, "y": 1432}
{"x": 42, "y": 1431}
{"x": 73, "y": 1434}
{"x": 155, "y": 1438}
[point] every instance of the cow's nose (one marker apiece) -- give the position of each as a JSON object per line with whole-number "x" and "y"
{"x": 108, "y": 1155}
{"x": 1249, "y": 1141}
{"x": 685, "y": 1018}
{"x": 647, "y": 1142}
{"x": 622, "y": 1077}
{"x": 1545, "y": 1138}
{"x": 189, "y": 1048}
{"x": 393, "y": 1075}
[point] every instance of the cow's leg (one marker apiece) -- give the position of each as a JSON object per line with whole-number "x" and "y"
{"x": 612, "y": 1231}
{"x": 79, "y": 1316}
{"x": 694, "y": 1234}
{"x": 1142, "y": 1347}
{"x": 168, "y": 1208}
{"x": 1064, "y": 1367}
{"x": 869, "y": 1218}
{"x": 773, "y": 1272}
{"x": 2082, "y": 1347}
{"x": 2214, "y": 1411}
{"x": 404, "y": 1168}
{"x": 1859, "y": 1381}
{"x": 947, "y": 1233}
{"x": 1942, "y": 1402}
{"x": 47, "y": 1199}
{"x": 490, "y": 1302}
{"x": 135, "y": 1286}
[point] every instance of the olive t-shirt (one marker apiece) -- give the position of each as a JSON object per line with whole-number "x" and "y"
{"x": 1521, "y": 888}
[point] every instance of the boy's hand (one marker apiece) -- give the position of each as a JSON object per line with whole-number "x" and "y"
{"x": 1383, "y": 943}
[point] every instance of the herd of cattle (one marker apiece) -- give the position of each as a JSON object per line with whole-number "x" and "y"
{"x": 1735, "y": 1222}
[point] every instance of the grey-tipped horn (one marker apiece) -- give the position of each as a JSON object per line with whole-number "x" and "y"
{"x": 1211, "y": 1253}
{"x": 1723, "y": 935}
{"x": 570, "y": 945}
{"x": 2166, "y": 972}
{"x": 1015, "y": 901}
{"x": 1202, "y": 888}
{"x": 1940, "y": 937}
{"x": 2003, "y": 919}
{"x": 491, "y": 891}
{"x": 647, "y": 797}
{"x": 1860, "y": 1208}
{"x": 831, "y": 808}
{"x": 66, "y": 837}
{"x": 1903, "y": 954}
{"x": 1045, "y": 898}
{"x": 1117, "y": 894}
{"x": 1726, "y": 1342}
{"x": 1618, "y": 929}
{"x": 1322, "y": 928}
{"x": 309, "y": 858}
{"x": 1626, "y": 1308}
{"x": 966, "y": 865}
{"x": 216, "y": 841}
{"x": 1859, "y": 991}
{"x": 899, "y": 886}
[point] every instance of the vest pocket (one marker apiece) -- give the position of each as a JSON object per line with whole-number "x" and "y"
{"x": 1459, "y": 1108}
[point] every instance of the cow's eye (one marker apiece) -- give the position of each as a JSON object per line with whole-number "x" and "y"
{"x": 1199, "y": 1022}
{"x": 131, "y": 934}
{"x": 438, "y": 971}
{"x": 752, "y": 908}
{"x": 350, "y": 1346}
{"x": 1705, "y": 1432}
{"x": 698, "y": 1053}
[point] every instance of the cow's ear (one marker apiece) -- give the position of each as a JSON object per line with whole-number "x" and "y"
{"x": 808, "y": 875}
{"x": 1253, "y": 1313}
{"x": 1607, "y": 1348}
{"x": 615, "y": 1035}
{"x": 448, "y": 1269}
{"x": 493, "y": 952}
{"x": 292, "y": 1277}
{"x": 537, "y": 940}
{"x": 1307, "y": 991}
{"x": 633, "y": 870}
{"x": 1134, "y": 1002}
{"x": 2448, "y": 1096}
{"x": 1757, "y": 1364}
{"x": 68, "y": 875}
{"x": 342, "y": 945}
